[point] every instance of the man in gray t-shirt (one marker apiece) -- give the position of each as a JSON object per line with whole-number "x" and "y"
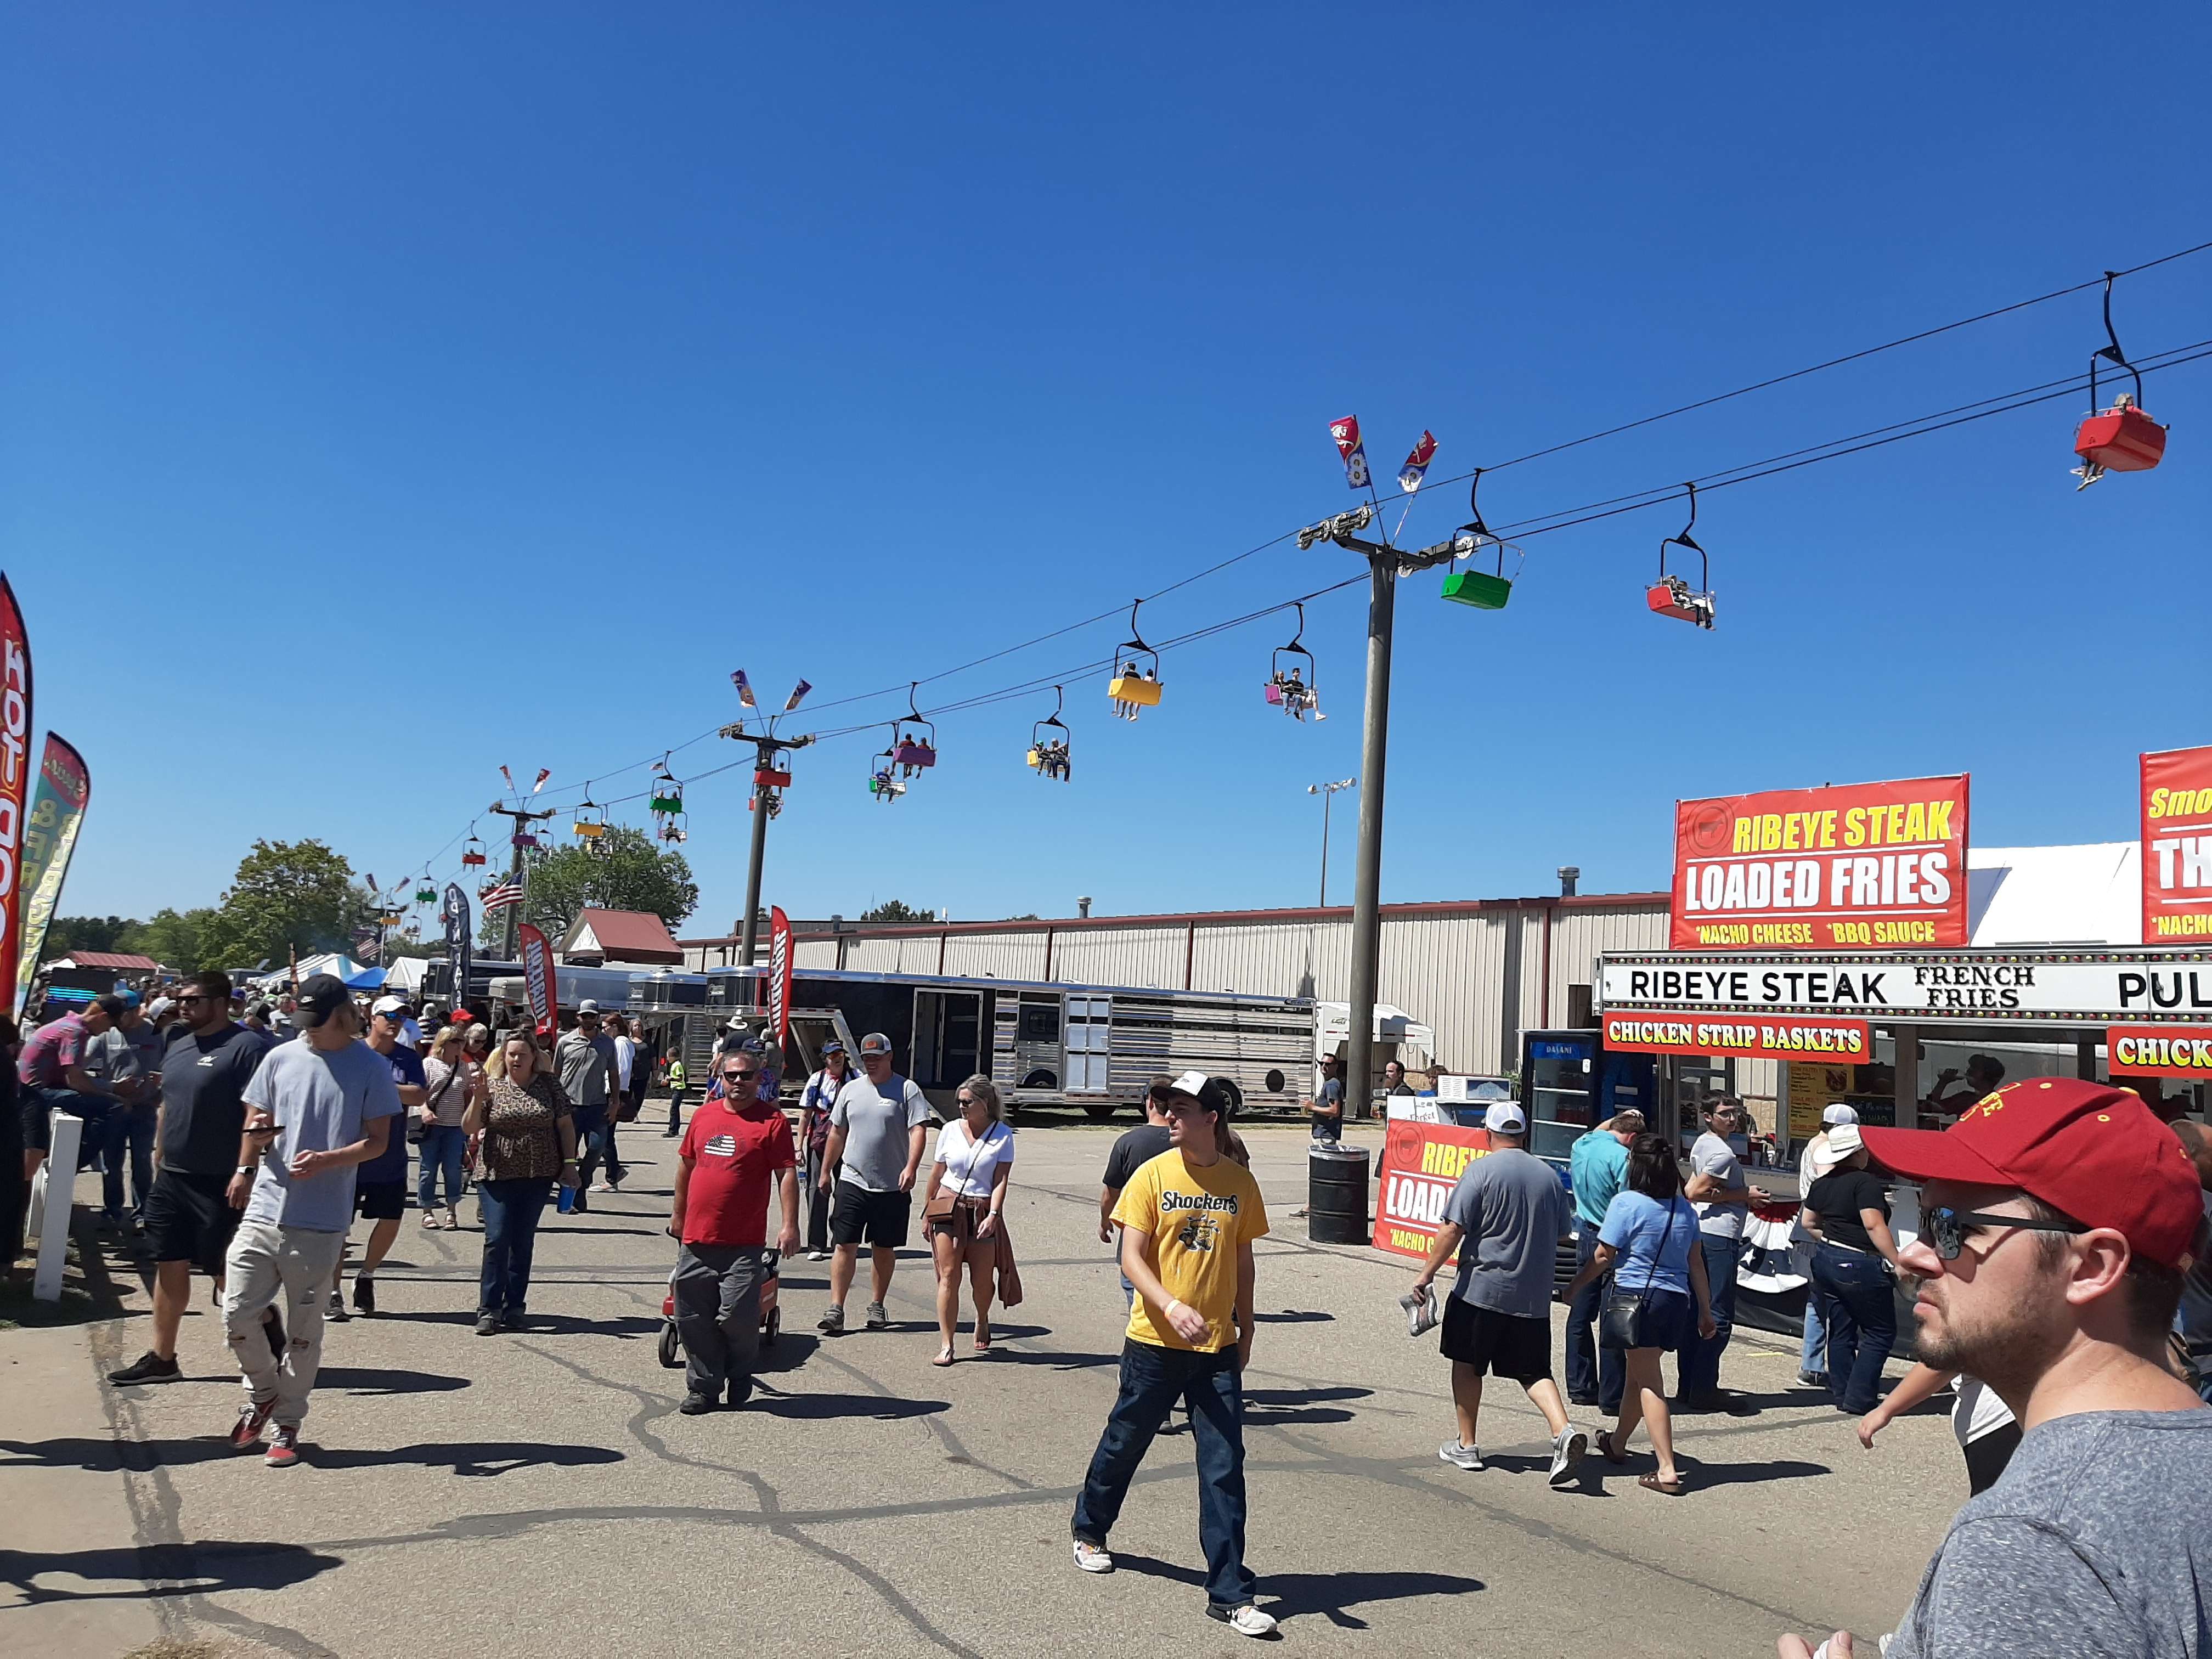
{"x": 1506, "y": 1218}
{"x": 1716, "y": 1188}
{"x": 877, "y": 1129}
{"x": 590, "y": 1072}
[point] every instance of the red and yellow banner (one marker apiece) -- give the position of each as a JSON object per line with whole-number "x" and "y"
{"x": 14, "y": 777}
{"x": 1839, "y": 1041}
{"x": 538, "y": 978}
{"x": 2160, "y": 1050}
{"x": 1866, "y": 866}
{"x": 2177, "y": 846}
{"x": 1421, "y": 1164}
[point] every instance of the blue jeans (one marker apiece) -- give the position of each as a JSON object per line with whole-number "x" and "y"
{"x": 1153, "y": 1380}
{"x": 445, "y": 1147}
{"x": 1698, "y": 1363}
{"x": 511, "y": 1209}
{"x": 1593, "y": 1373}
{"x": 1861, "y": 1315}
{"x": 1813, "y": 1356}
{"x": 130, "y": 1129}
{"x": 591, "y": 1124}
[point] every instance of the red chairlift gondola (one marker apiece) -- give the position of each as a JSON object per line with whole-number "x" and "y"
{"x": 2121, "y": 439}
{"x": 472, "y": 853}
{"x": 1671, "y": 596}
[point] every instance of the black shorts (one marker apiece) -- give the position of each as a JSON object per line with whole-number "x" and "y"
{"x": 380, "y": 1200}
{"x": 880, "y": 1217}
{"x": 189, "y": 1219}
{"x": 1504, "y": 1344}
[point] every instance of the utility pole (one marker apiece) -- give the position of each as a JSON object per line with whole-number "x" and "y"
{"x": 767, "y": 780}
{"x": 1385, "y": 564}
{"x": 521, "y": 838}
{"x": 1327, "y": 793}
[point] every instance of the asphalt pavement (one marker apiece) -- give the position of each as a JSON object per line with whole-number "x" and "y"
{"x": 537, "y": 1493}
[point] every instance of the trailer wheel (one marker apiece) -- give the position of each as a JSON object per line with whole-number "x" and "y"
{"x": 1099, "y": 1113}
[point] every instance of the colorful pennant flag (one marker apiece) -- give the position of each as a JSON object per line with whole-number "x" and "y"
{"x": 544, "y": 772}
{"x": 744, "y": 688}
{"x": 1349, "y": 446}
{"x": 1416, "y": 464}
{"x": 797, "y": 692}
{"x": 509, "y": 777}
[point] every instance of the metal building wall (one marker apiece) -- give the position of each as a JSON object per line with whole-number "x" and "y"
{"x": 1149, "y": 957}
{"x": 997, "y": 956}
{"x": 1279, "y": 959}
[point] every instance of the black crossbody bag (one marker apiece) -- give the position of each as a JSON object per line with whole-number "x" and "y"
{"x": 1619, "y": 1322}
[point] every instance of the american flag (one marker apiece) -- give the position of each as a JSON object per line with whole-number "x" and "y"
{"x": 499, "y": 897}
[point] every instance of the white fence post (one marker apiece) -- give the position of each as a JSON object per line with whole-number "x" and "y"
{"x": 53, "y": 1225}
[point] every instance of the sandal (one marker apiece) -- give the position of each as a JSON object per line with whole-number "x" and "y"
{"x": 944, "y": 1356}
{"x": 1652, "y": 1482}
{"x": 1606, "y": 1449}
{"x": 984, "y": 1340}
{"x": 430, "y": 1221}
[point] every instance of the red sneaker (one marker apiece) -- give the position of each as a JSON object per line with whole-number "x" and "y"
{"x": 283, "y": 1447}
{"x": 251, "y": 1421}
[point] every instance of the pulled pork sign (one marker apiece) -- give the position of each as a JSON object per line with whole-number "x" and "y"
{"x": 1880, "y": 866}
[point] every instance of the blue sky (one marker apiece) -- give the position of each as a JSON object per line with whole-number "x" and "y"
{"x": 386, "y": 396}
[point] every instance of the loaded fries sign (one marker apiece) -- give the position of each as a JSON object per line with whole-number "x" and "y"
{"x": 1880, "y": 866}
{"x": 1421, "y": 1164}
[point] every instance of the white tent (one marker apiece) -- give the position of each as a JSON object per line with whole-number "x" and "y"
{"x": 330, "y": 962}
{"x": 404, "y": 977}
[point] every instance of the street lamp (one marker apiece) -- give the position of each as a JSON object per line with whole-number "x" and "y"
{"x": 1327, "y": 793}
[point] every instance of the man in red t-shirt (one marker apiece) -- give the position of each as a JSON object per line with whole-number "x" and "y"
{"x": 734, "y": 1148}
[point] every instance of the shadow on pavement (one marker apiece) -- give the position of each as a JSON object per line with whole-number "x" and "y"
{"x": 792, "y": 1349}
{"x": 1065, "y": 1362}
{"x": 101, "y": 1456}
{"x": 538, "y": 1324}
{"x": 364, "y": 1380}
{"x": 818, "y": 1407}
{"x": 1292, "y": 1317}
{"x": 202, "y": 1569}
{"x": 605, "y": 1232}
{"x": 1292, "y": 1594}
{"x": 1697, "y": 1474}
{"x": 472, "y": 1457}
{"x": 1302, "y": 1396}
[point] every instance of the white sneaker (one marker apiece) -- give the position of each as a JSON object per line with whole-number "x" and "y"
{"x": 1567, "y": 1449}
{"x": 1092, "y": 1558}
{"x": 1247, "y": 1620}
{"x": 1459, "y": 1457}
{"x": 817, "y": 1255}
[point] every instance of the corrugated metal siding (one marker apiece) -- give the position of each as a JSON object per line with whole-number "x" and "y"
{"x": 1000, "y": 955}
{"x": 816, "y": 954}
{"x": 1146, "y": 957}
{"x": 1283, "y": 959}
{"x": 1579, "y": 936}
{"x": 1448, "y": 972}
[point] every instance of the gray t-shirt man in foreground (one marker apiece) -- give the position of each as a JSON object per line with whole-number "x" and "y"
{"x": 878, "y": 1130}
{"x": 2058, "y": 1218}
{"x": 315, "y": 1111}
{"x": 1506, "y": 1218}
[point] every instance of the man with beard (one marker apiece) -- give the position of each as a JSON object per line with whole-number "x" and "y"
{"x": 2058, "y": 1217}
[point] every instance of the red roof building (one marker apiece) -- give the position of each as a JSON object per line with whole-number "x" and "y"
{"x": 597, "y": 938}
{"x": 118, "y": 961}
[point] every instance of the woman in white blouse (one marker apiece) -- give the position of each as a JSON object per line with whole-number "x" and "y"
{"x": 967, "y": 1188}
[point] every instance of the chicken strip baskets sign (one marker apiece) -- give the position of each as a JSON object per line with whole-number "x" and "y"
{"x": 1867, "y": 865}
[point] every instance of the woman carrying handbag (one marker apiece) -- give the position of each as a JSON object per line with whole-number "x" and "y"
{"x": 967, "y": 1188}
{"x": 1649, "y": 1241}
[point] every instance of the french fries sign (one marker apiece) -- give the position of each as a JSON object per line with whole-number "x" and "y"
{"x": 1869, "y": 866}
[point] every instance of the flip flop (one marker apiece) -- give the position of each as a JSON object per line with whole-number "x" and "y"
{"x": 944, "y": 1356}
{"x": 1652, "y": 1482}
{"x": 1606, "y": 1448}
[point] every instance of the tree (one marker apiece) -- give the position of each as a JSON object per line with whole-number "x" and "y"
{"x": 66, "y": 935}
{"x": 286, "y": 896}
{"x": 175, "y": 939}
{"x": 628, "y": 873}
{"x": 896, "y": 910}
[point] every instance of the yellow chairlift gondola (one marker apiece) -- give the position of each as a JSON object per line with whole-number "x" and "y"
{"x": 590, "y": 824}
{"x": 1136, "y": 686}
{"x": 1048, "y": 753}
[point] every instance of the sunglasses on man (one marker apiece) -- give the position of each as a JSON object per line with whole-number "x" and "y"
{"x": 1946, "y": 1228}
{"x": 739, "y": 1076}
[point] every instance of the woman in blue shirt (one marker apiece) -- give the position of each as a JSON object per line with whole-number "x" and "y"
{"x": 1649, "y": 1241}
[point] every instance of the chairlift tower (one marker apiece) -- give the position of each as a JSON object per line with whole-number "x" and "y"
{"x": 1385, "y": 564}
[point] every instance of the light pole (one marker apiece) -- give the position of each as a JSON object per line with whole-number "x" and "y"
{"x": 1327, "y": 793}
{"x": 1385, "y": 564}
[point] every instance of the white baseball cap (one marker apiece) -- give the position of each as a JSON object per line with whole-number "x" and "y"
{"x": 388, "y": 1006}
{"x": 1190, "y": 1083}
{"x": 1839, "y": 1112}
{"x": 1506, "y": 1118}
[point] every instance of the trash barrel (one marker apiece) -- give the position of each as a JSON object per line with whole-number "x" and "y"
{"x": 1336, "y": 1196}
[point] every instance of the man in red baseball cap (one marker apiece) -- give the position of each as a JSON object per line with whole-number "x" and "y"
{"x": 2058, "y": 1219}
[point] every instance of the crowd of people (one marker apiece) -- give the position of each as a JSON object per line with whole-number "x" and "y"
{"x": 268, "y": 1130}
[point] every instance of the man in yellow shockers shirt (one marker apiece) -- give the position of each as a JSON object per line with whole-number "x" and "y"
{"x": 1189, "y": 1219}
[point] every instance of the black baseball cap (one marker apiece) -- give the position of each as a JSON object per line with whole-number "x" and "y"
{"x": 323, "y": 995}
